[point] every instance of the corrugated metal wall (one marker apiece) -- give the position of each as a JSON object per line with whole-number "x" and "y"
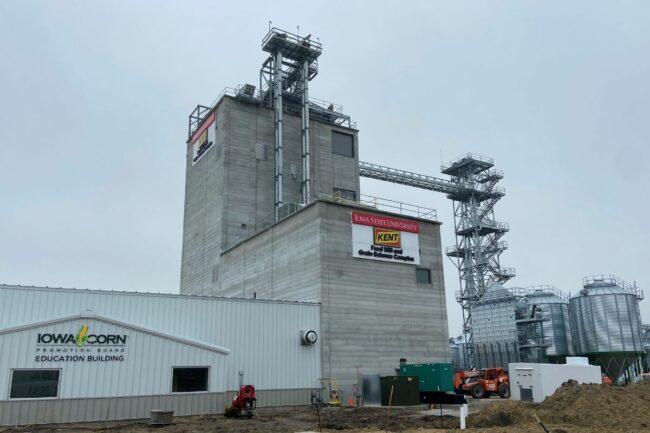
{"x": 21, "y": 412}
{"x": 145, "y": 370}
{"x": 263, "y": 336}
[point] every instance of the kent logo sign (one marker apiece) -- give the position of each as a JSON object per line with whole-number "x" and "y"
{"x": 385, "y": 238}
{"x": 390, "y": 238}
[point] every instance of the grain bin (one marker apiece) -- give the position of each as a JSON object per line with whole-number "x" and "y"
{"x": 606, "y": 325}
{"x": 554, "y": 308}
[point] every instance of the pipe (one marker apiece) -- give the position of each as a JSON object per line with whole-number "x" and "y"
{"x": 277, "y": 95}
{"x": 306, "y": 178}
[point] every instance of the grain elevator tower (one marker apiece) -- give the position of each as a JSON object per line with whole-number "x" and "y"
{"x": 257, "y": 156}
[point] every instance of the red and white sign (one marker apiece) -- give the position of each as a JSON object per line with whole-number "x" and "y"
{"x": 204, "y": 138}
{"x": 204, "y": 125}
{"x": 385, "y": 238}
{"x": 385, "y": 222}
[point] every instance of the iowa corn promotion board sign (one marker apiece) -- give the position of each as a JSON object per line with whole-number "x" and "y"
{"x": 385, "y": 238}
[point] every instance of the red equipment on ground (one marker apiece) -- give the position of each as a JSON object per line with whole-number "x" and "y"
{"x": 482, "y": 383}
{"x": 243, "y": 403}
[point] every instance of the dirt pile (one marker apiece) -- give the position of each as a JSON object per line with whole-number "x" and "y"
{"x": 577, "y": 405}
{"x": 502, "y": 413}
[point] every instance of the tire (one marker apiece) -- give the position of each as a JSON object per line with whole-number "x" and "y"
{"x": 249, "y": 409}
{"x": 504, "y": 391}
{"x": 478, "y": 391}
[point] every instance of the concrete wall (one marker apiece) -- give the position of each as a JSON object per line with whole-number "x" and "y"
{"x": 544, "y": 379}
{"x": 22, "y": 412}
{"x": 373, "y": 313}
{"x": 282, "y": 262}
{"x": 230, "y": 192}
{"x": 203, "y": 213}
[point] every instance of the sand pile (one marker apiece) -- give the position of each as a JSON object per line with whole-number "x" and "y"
{"x": 578, "y": 405}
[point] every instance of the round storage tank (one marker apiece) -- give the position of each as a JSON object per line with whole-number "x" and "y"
{"x": 605, "y": 316}
{"x": 554, "y": 307}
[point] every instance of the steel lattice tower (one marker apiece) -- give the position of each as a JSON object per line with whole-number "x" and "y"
{"x": 478, "y": 235}
{"x": 473, "y": 190}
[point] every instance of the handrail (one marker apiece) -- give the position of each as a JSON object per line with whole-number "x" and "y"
{"x": 467, "y": 156}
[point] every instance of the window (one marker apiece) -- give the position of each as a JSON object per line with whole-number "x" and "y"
{"x": 342, "y": 144}
{"x": 345, "y": 194}
{"x": 190, "y": 379}
{"x": 34, "y": 383}
{"x": 423, "y": 276}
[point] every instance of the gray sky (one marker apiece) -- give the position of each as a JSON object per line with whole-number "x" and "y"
{"x": 95, "y": 98}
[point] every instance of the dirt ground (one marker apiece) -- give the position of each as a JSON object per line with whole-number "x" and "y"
{"x": 572, "y": 409}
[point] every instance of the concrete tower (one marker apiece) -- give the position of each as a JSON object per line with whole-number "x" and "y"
{"x": 273, "y": 211}
{"x": 236, "y": 184}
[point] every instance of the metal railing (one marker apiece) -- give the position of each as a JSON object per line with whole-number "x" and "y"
{"x": 454, "y": 249}
{"x": 201, "y": 111}
{"x": 504, "y": 227}
{"x": 370, "y": 202}
{"x": 473, "y": 156}
{"x": 293, "y": 38}
{"x": 385, "y": 205}
{"x": 507, "y": 272}
{"x": 611, "y": 280}
{"x": 540, "y": 290}
{"x": 403, "y": 177}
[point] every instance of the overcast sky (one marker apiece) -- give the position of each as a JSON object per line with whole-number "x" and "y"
{"x": 94, "y": 99}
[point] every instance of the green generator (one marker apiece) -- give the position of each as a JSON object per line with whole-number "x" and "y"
{"x": 433, "y": 377}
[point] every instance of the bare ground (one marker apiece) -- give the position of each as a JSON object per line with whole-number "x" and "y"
{"x": 572, "y": 409}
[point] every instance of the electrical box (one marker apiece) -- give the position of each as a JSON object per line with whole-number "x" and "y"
{"x": 405, "y": 391}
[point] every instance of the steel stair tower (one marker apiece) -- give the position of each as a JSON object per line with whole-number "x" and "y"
{"x": 473, "y": 189}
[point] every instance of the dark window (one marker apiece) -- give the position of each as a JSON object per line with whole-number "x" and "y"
{"x": 342, "y": 144}
{"x": 423, "y": 276}
{"x": 345, "y": 194}
{"x": 190, "y": 379}
{"x": 34, "y": 383}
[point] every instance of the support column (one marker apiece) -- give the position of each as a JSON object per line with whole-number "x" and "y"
{"x": 306, "y": 177}
{"x": 277, "y": 96}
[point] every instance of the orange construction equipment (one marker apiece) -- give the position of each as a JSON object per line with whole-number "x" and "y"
{"x": 607, "y": 380}
{"x": 482, "y": 383}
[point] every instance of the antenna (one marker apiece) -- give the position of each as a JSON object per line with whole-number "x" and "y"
{"x": 270, "y": 22}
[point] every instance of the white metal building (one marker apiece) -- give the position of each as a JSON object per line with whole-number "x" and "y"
{"x": 534, "y": 382}
{"x": 78, "y": 355}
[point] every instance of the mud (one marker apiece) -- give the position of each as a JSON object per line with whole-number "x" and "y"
{"x": 572, "y": 409}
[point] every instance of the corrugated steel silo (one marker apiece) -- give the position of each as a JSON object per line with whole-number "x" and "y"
{"x": 606, "y": 324}
{"x": 554, "y": 307}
